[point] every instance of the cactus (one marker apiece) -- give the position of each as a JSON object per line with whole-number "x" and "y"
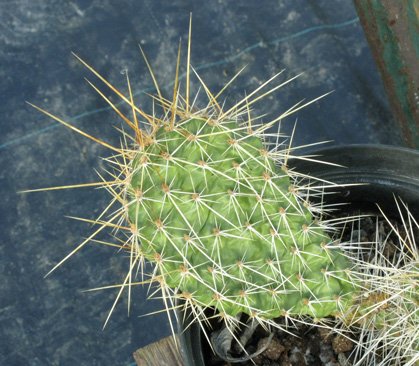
{"x": 385, "y": 309}
{"x": 228, "y": 225}
{"x": 223, "y": 223}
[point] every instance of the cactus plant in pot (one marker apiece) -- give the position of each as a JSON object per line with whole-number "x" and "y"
{"x": 380, "y": 317}
{"x": 209, "y": 197}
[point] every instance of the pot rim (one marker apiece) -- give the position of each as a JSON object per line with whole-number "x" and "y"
{"x": 376, "y": 170}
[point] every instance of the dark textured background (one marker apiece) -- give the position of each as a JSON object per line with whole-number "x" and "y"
{"x": 51, "y": 321}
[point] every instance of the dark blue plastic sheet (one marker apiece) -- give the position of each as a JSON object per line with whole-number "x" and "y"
{"x": 51, "y": 321}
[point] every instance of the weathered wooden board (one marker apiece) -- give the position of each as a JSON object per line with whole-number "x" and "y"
{"x": 165, "y": 352}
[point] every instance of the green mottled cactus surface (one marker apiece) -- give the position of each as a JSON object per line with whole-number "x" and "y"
{"x": 220, "y": 217}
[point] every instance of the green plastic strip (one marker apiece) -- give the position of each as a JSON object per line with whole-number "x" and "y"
{"x": 392, "y": 31}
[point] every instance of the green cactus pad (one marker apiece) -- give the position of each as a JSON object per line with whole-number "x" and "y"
{"x": 221, "y": 219}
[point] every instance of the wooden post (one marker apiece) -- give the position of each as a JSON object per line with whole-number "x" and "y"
{"x": 165, "y": 352}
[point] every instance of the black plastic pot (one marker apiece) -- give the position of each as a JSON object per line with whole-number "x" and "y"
{"x": 378, "y": 172}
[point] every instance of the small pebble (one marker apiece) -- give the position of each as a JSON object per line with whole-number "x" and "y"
{"x": 342, "y": 344}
